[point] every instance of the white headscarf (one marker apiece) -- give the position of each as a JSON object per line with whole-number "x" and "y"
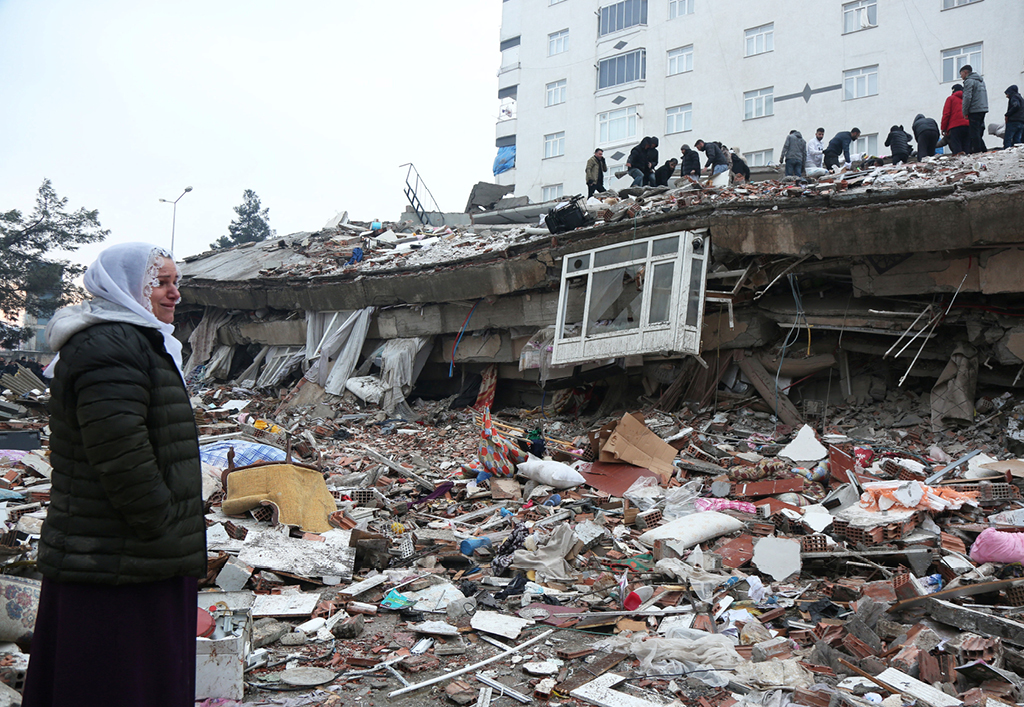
{"x": 121, "y": 282}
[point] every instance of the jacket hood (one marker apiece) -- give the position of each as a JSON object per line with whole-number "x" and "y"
{"x": 69, "y": 321}
{"x": 1012, "y": 89}
{"x": 919, "y": 116}
{"x": 959, "y": 94}
{"x": 895, "y": 127}
{"x": 797, "y": 134}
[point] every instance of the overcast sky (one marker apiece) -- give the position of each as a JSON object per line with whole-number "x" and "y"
{"x": 312, "y": 104}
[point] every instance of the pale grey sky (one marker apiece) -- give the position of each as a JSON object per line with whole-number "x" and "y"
{"x": 313, "y": 104}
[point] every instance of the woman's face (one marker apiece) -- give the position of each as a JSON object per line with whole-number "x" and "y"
{"x": 165, "y": 292}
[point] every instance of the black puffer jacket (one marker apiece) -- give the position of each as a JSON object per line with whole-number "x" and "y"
{"x": 899, "y": 140}
{"x": 126, "y": 502}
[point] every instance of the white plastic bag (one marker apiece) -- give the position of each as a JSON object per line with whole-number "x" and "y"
{"x": 679, "y": 501}
{"x": 550, "y": 473}
{"x": 644, "y": 493}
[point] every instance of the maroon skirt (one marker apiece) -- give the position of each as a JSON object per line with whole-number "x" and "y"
{"x": 132, "y": 645}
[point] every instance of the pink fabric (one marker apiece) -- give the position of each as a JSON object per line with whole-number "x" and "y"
{"x": 722, "y": 504}
{"x": 998, "y": 546}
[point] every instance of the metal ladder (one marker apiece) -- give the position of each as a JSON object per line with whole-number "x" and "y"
{"x": 411, "y": 193}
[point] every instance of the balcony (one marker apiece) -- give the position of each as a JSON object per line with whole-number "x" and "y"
{"x": 505, "y": 128}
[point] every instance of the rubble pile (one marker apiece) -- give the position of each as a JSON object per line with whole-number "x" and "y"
{"x": 711, "y": 555}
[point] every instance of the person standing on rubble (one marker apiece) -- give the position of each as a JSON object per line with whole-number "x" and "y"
{"x": 839, "y": 145}
{"x": 1014, "y": 117}
{"x": 124, "y": 538}
{"x": 815, "y": 151}
{"x": 691, "y": 163}
{"x": 926, "y": 133}
{"x": 652, "y": 160}
{"x": 596, "y": 168}
{"x": 899, "y": 140}
{"x": 794, "y": 153}
{"x": 637, "y": 164}
{"x": 716, "y": 160}
{"x": 738, "y": 166}
{"x": 954, "y": 125}
{"x": 975, "y": 106}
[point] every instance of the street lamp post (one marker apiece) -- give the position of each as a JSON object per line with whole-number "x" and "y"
{"x": 174, "y": 212}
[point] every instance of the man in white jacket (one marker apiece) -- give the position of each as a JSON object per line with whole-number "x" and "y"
{"x": 815, "y": 155}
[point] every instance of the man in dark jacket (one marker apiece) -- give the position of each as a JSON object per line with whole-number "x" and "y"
{"x": 664, "y": 172}
{"x": 1014, "y": 116}
{"x": 975, "y": 106}
{"x": 739, "y": 165}
{"x": 899, "y": 141}
{"x": 652, "y": 160}
{"x": 926, "y": 132}
{"x": 691, "y": 163}
{"x": 637, "y": 163}
{"x": 717, "y": 161}
{"x": 954, "y": 125}
{"x": 794, "y": 152}
{"x": 840, "y": 145}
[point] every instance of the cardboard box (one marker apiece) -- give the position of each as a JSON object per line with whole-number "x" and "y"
{"x": 630, "y": 441}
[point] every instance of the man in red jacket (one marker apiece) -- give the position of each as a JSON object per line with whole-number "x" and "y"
{"x": 954, "y": 124}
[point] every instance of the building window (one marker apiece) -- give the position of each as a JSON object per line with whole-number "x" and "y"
{"x": 949, "y": 4}
{"x": 554, "y": 145}
{"x": 555, "y": 93}
{"x": 860, "y": 15}
{"x": 558, "y": 42}
{"x": 761, "y": 39}
{"x": 678, "y": 8}
{"x": 638, "y": 297}
{"x": 678, "y": 119}
{"x": 759, "y": 104}
{"x": 680, "y": 60}
{"x": 858, "y": 83}
{"x": 865, "y": 144}
{"x": 617, "y": 125}
{"x": 621, "y": 69}
{"x": 551, "y": 192}
{"x": 953, "y": 59}
{"x": 761, "y": 158}
{"x": 621, "y": 15}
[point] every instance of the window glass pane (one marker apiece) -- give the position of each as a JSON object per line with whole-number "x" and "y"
{"x": 664, "y": 246}
{"x": 694, "y": 303}
{"x": 572, "y": 308}
{"x": 661, "y": 292}
{"x": 615, "y": 301}
{"x": 622, "y": 254}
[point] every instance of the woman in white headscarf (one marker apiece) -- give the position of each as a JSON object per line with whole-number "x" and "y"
{"x": 124, "y": 539}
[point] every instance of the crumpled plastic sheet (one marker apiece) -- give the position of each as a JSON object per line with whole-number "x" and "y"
{"x": 708, "y": 650}
{"x": 645, "y": 493}
{"x": 550, "y": 559}
{"x": 775, "y": 673}
{"x": 703, "y": 583}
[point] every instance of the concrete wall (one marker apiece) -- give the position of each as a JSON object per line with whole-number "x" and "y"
{"x": 810, "y": 51}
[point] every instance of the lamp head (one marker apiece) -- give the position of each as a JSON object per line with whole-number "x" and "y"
{"x": 188, "y": 189}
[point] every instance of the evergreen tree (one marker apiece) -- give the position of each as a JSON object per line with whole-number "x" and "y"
{"x": 251, "y": 226}
{"x": 30, "y": 281}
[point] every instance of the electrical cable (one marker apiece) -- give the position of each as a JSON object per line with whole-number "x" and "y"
{"x": 451, "y": 366}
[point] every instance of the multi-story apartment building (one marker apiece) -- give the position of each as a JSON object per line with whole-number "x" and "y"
{"x": 580, "y": 74}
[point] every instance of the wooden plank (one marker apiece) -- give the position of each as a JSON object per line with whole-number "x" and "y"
{"x": 354, "y": 590}
{"x": 599, "y": 692}
{"x": 964, "y": 591}
{"x": 903, "y": 683}
{"x": 765, "y": 385}
{"x": 585, "y": 675}
{"x": 976, "y": 621}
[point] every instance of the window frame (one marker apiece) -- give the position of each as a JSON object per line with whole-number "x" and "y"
{"x": 849, "y": 74}
{"x": 759, "y": 158}
{"x": 687, "y": 120}
{"x": 679, "y": 330}
{"x": 642, "y": 64}
{"x": 546, "y": 196}
{"x": 956, "y": 4}
{"x": 558, "y": 39}
{"x": 866, "y": 147}
{"x": 850, "y": 7}
{"x": 553, "y": 89}
{"x": 976, "y": 64}
{"x": 680, "y": 52}
{"x": 673, "y": 8}
{"x": 756, "y": 95}
{"x": 767, "y": 31}
{"x": 640, "y": 13}
{"x": 557, "y": 142}
{"x": 608, "y": 122}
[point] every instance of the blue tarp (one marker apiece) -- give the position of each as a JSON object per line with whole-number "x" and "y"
{"x": 505, "y": 160}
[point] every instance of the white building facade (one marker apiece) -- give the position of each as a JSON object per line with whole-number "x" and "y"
{"x": 581, "y": 74}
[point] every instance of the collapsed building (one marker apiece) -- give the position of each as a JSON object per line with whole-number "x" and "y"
{"x": 806, "y": 295}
